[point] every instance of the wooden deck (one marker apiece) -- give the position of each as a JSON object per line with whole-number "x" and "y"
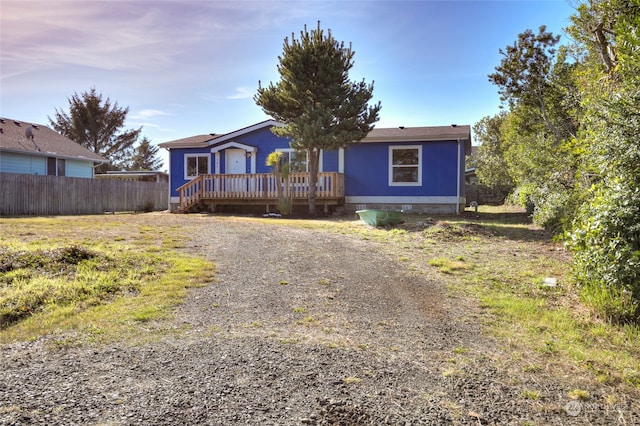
{"x": 258, "y": 189}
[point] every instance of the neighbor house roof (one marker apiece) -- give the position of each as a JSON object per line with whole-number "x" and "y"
{"x": 36, "y": 139}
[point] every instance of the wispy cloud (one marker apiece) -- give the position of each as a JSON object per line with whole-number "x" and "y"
{"x": 242, "y": 92}
{"x": 147, "y": 114}
{"x": 106, "y": 35}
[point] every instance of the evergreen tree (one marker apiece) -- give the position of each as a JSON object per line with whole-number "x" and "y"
{"x": 492, "y": 168}
{"x": 97, "y": 125}
{"x": 538, "y": 132}
{"x": 320, "y": 108}
{"x": 145, "y": 157}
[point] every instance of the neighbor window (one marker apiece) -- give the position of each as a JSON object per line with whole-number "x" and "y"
{"x": 405, "y": 166}
{"x": 196, "y": 165}
{"x": 56, "y": 166}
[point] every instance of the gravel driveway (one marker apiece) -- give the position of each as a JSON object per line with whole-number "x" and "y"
{"x": 301, "y": 326}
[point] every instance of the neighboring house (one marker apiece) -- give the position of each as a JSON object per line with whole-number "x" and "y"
{"x": 38, "y": 150}
{"x": 418, "y": 169}
{"x": 137, "y": 176}
{"x": 482, "y": 194}
{"x": 470, "y": 176}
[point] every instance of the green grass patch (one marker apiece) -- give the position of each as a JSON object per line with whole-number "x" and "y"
{"x": 448, "y": 266}
{"x": 580, "y": 394}
{"x": 96, "y": 289}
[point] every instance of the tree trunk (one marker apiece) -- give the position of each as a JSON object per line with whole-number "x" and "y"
{"x": 279, "y": 180}
{"x": 608, "y": 56}
{"x": 314, "y": 160}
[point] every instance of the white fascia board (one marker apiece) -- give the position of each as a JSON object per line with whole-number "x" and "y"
{"x": 233, "y": 144}
{"x": 236, "y": 133}
{"x": 56, "y": 155}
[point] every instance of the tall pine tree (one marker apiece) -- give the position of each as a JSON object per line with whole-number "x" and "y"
{"x": 319, "y": 107}
{"x": 97, "y": 125}
{"x": 145, "y": 157}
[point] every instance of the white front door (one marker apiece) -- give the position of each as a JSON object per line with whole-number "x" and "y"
{"x": 236, "y": 165}
{"x": 236, "y": 161}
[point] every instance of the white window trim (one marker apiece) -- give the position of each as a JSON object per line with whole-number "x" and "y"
{"x": 394, "y": 147}
{"x": 320, "y": 165}
{"x": 187, "y": 156}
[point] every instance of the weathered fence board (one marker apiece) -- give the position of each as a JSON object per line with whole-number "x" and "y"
{"x": 22, "y": 194}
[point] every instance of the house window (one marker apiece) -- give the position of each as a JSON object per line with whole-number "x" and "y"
{"x": 297, "y": 160}
{"x": 405, "y": 165}
{"x": 56, "y": 166}
{"x": 196, "y": 165}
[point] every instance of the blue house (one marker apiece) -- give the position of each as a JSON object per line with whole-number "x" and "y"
{"x": 418, "y": 169}
{"x": 38, "y": 150}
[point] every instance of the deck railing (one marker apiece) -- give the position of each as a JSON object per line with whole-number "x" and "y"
{"x": 258, "y": 187}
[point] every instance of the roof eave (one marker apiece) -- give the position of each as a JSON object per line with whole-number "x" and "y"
{"x": 55, "y": 154}
{"x": 249, "y": 129}
{"x": 217, "y": 139}
{"x": 417, "y": 138}
{"x": 170, "y": 145}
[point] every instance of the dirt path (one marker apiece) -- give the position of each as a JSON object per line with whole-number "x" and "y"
{"x": 321, "y": 288}
{"x": 301, "y": 326}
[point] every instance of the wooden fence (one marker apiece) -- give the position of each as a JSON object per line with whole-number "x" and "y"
{"x": 36, "y": 195}
{"x": 483, "y": 194}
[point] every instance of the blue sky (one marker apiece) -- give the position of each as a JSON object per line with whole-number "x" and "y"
{"x": 190, "y": 67}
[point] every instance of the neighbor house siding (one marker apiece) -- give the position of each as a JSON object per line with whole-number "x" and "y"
{"x": 37, "y": 165}
{"x": 23, "y": 164}
{"x": 79, "y": 169}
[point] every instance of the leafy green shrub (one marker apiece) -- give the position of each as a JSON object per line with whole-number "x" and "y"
{"x": 285, "y": 205}
{"x": 606, "y": 243}
{"x": 556, "y": 206}
{"x": 523, "y": 196}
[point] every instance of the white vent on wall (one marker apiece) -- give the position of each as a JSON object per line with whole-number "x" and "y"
{"x": 407, "y": 207}
{"x": 361, "y": 206}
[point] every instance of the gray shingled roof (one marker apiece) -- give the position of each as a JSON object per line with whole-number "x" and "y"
{"x": 406, "y": 134}
{"x": 198, "y": 141}
{"x": 46, "y": 141}
{"x": 394, "y": 134}
{"x": 201, "y": 141}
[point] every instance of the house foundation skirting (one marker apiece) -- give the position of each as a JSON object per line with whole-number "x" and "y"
{"x": 432, "y": 205}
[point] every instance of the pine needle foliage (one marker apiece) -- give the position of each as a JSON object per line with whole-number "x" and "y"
{"x": 97, "y": 125}
{"x": 319, "y": 107}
